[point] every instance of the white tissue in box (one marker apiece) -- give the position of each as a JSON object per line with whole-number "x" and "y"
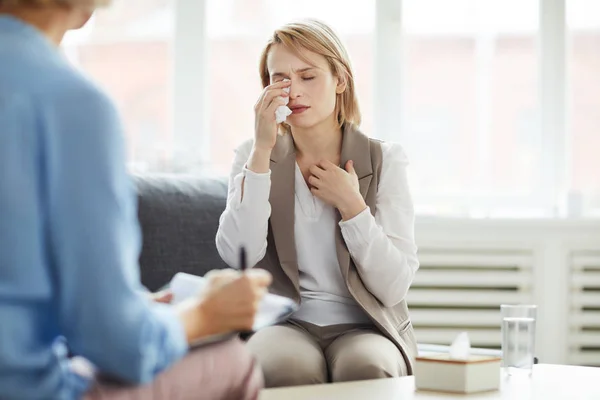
{"x": 441, "y": 373}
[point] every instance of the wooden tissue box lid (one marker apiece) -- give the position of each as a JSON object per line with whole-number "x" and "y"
{"x": 440, "y": 373}
{"x": 445, "y": 358}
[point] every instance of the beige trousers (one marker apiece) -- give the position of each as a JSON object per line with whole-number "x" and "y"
{"x": 223, "y": 371}
{"x": 298, "y": 353}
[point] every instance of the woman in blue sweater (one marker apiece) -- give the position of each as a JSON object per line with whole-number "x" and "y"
{"x": 69, "y": 243}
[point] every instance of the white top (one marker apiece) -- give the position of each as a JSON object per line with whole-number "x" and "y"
{"x": 382, "y": 247}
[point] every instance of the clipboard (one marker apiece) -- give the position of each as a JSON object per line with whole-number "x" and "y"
{"x": 272, "y": 309}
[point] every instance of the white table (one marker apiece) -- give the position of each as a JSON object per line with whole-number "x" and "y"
{"x": 549, "y": 382}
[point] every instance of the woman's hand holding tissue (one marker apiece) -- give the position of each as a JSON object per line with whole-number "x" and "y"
{"x": 229, "y": 303}
{"x": 266, "y": 126}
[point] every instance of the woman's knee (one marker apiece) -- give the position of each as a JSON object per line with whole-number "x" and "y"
{"x": 363, "y": 370}
{"x": 281, "y": 371}
{"x": 354, "y": 364}
{"x": 288, "y": 357}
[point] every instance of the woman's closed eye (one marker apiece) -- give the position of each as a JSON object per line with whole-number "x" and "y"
{"x": 308, "y": 78}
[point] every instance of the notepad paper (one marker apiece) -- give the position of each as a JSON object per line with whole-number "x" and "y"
{"x": 271, "y": 310}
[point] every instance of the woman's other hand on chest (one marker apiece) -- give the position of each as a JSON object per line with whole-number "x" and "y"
{"x": 335, "y": 186}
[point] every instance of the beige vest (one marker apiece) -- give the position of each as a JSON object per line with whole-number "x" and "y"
{"x": 281, "y": 260}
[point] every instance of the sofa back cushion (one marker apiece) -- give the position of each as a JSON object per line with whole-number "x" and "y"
{"x": 179, "y": 217}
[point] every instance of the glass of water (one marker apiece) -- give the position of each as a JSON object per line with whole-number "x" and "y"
{"x": 518, "y": 338}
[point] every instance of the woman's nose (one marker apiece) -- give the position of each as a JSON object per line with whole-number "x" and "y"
{"x": 294, "y": 91}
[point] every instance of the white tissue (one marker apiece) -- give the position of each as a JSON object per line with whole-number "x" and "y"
{"x": 282, "y": 112}
{"x": 461, "y": 347}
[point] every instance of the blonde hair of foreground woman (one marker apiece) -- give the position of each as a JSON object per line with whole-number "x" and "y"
{"x": 43, "y": 3}
{"x": 316, "y": 37}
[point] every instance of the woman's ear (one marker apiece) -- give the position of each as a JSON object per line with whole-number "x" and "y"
{"x": 341, "y": 85}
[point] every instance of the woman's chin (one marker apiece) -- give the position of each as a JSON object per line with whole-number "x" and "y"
{"x": 300, "y": 123}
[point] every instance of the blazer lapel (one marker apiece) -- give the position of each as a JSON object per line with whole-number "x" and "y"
{"x": 282, "y": 199}
{"x": 355, "y": 147}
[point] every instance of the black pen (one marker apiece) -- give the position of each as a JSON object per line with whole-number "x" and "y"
{"x": 243, "y": 265}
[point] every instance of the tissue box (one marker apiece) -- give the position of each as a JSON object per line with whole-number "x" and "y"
{"x": 441, "y": 373}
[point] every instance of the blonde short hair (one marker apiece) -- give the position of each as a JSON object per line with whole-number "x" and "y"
{"x": 315, "y": 36}
{"x": 41, "y": 3}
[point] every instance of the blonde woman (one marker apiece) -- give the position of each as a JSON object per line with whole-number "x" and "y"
{"x": 328, "y": 212}
{"x": 69, "y": 244}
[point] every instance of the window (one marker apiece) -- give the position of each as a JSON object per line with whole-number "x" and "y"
{"x": 127, "y": 50}
{"x": 470, "y": 96}
{"x": 583, "y": 19}
{"x": 495, "y": 101}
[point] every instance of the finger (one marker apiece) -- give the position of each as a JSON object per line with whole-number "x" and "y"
{"x": 275, "y": 97}
{"x": 267, "y": 96}
{"x": 270, "y": 94}
{"x": 246, "y": 303}
{"x": 350, "y": 167}
{"x": 270, "y": 111}
{"x": 164, "y": 297}
{"x": 314, "y": 181}
{"x": 219, "y": 273}
{"x": 273, "y": 94}
{"x": 245, "y": 287}
{"x": 239, "y": 311}
{"x": 326, "y": 165}
{"x": 316, "y": 171}
{"x": 247, "y": 323}
{"x": 223, "y": 275}
{"x": 280, "y": 85}
{"x": 259, "y": 293}
{"x": 267, "y": 102}
{"x": 259, "y": 277}
{"x": 240, "y": 322}
{"x": 218, "y": 281}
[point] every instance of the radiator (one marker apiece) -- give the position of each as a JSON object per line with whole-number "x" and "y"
{"x": 584, "y": 315}
{"x": 459, "y": 290}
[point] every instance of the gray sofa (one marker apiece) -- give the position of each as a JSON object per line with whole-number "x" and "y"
{"x": 179, "y": 216}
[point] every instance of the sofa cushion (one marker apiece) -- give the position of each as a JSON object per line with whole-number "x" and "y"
{"x": 179, "y": 217}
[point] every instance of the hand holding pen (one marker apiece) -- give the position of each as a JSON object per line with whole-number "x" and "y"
{"x": 229, "y": 302}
